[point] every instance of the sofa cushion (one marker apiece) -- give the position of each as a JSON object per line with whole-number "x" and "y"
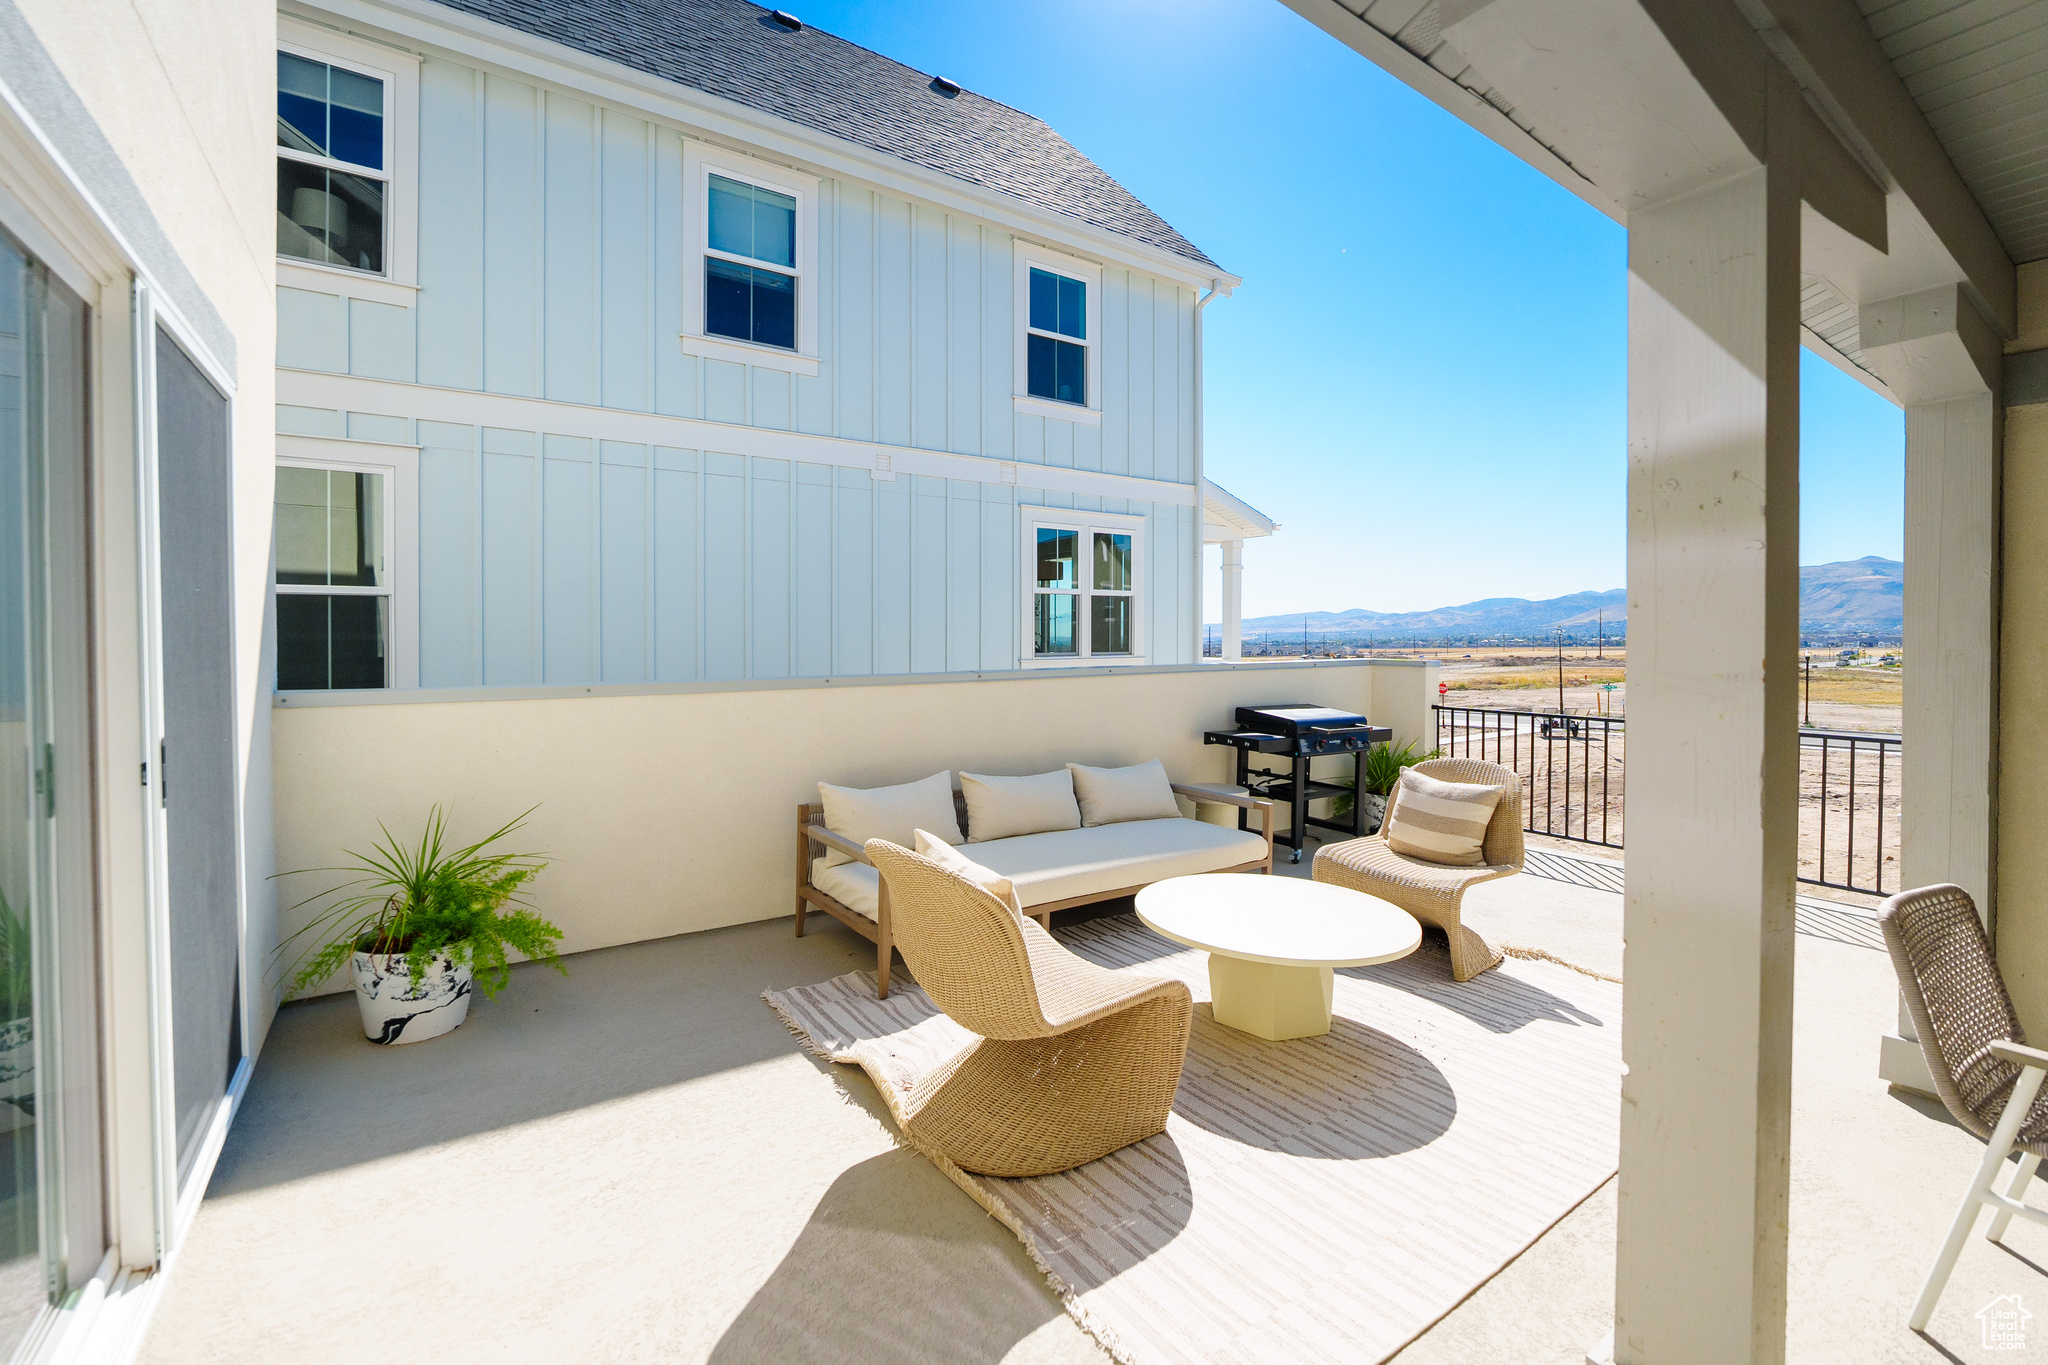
{"x": 892, "y": 813}
{"x": 1074, "y": 862}
{"x": 1111, "y": 795}
{"x": 999, "y": 807}
{"x": 1085, "y": 862}
{"x": 965, "y": 868}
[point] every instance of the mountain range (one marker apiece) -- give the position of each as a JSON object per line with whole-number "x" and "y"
{"x": 1857, "y": 595}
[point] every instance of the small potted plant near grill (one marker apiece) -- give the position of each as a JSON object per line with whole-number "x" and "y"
{"x": 1383, "y": 765}
{"x": 422, "y": 926}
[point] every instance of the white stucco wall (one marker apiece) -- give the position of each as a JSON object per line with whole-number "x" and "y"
{"x": 670, "y": 812}
{"x": 183, "y": 93}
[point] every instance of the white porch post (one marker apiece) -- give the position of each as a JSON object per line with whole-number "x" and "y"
{"x": 1941, "y": 360}
{"x": 1713, "y": 532}
{"x": 1233, "y": 601}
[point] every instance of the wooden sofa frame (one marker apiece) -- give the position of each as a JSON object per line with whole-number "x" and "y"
{"x": 810, "y": 831}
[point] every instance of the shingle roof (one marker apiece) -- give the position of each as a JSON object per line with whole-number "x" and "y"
{"x": 732, "y": 49}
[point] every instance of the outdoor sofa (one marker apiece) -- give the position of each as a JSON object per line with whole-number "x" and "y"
{"x": 1052, "y": 869}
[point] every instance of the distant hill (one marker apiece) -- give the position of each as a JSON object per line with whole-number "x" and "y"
{"x": 1865, "y": 594}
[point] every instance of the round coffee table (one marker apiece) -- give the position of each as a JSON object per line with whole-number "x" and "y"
{"x": 1274, "y": 942}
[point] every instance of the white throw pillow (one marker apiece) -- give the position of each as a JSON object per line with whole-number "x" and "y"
{"x": 958, "y": 863}
{"x": 1110, "y": 796}
{"x": 1441, "y": 822}
{"x": 892, "y": 813}
{"x": 1001, "y": 807}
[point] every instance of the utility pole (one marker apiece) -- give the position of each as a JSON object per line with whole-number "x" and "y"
{"x": 1808, "y": 721}
{"x": 1560, "y": 670}
{"x": 1601, "y": 619}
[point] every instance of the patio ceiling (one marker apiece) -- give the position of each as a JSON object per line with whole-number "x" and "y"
{"x": 1942, "y": 105}
{"x": 1978, "y": 70}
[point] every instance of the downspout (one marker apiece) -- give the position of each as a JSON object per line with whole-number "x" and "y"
{"x": 1201, "y": 501}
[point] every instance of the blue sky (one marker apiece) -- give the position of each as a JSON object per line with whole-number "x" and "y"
{"x": 1423, "y": 376}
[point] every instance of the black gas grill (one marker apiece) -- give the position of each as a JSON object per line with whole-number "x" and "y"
{"x": 1301, "y": 733}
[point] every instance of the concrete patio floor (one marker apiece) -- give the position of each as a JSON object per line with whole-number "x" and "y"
{"x": 636, "y": 1164}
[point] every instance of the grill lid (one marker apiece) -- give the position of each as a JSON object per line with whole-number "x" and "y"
{"x": 1289, "y": 718}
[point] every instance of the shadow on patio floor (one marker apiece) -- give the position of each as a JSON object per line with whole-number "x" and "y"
{"x": 822, "y": 1302}
{"x": 324, "y": 1098}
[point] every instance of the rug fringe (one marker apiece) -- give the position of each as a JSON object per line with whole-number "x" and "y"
{"x": 1069, "y": 1298}
{"x": 802, "y": 1035}
{"x": 1539, "y": 955}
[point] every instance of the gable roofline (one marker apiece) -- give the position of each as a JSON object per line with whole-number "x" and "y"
{"x": 739, "y": 127}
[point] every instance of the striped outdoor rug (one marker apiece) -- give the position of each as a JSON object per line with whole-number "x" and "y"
{"x": 1322, "y": 1199}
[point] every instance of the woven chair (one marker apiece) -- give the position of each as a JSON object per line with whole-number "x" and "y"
{"x": 1074, "y": 1060}
{"x": 1987, "y": 1076}
{"x": 1432, "y": 892}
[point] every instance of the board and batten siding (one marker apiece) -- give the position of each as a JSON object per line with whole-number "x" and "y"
{"x": 551, "y": 259}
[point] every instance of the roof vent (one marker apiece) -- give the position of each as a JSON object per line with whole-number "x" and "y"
{"x": 787, "y": 20}
{"x": 945, "y": 87}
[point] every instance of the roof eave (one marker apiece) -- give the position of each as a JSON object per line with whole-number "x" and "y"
{"x": 544, "y": 59}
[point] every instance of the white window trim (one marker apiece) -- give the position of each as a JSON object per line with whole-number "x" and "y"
{"x": 1029, "y": 254}
{"x": 700, "y": 162}
{"x": 1084, "y": 522}
{"x": 400, "y": 72}
{"x": 400, "y": 466}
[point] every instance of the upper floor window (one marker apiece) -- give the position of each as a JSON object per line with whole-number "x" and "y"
{"x": 750, "y": 267}
{"x": 1056, "y": 365}
{"x": 333, "y": 163}
{"x": 1058, "y": 320}
{"x": 750, "y": 235}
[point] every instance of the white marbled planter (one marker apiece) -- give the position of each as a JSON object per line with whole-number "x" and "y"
{"x": 17, "y": 1074}
{"x": 1375, "y": 812}
{"x": 396, "y": 1011}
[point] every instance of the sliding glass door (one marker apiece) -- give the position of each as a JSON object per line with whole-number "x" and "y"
{"x": 51, "y": 1211}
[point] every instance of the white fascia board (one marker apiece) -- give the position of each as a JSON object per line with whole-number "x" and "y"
{"x": 1434, "y": 86}
{"x": 1245, "y": 521}
{"x": 1818, "y": 344}
{"x": 467, "y": 407}
{"x": 479, "y": 41}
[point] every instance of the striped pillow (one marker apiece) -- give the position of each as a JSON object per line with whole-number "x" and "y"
{"x": 1441, "y": 822}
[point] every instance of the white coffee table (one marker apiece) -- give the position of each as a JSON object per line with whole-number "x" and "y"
{"x": 1274, "y": 943}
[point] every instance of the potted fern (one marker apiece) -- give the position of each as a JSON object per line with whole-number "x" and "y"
{"x": 1383, "y": 765}
{"x": 422, "y": 926}
{"x": 17, "y": 1027}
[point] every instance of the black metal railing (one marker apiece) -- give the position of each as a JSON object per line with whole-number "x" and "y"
{"x": 1574, "y": 767}
{"x": 1849, "y": 807}
{"x": 1571, "y": 766}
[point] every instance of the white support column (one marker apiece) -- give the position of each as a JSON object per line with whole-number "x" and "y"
{"x": 1941, "y": 360}
{"x": 1713, "y": 584}
{"x": 1233, "y": 601}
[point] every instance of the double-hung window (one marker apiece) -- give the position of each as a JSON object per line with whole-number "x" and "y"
{"x": 1056, "y": 354}
{"x": 750, "y": 274}
{"x": 334, "y": 581}
{"x": 750, "y": 279}
{"x": 1058, "y": 312}
{"x": 333, "y": 163}
{"x": 1084, "y": 587}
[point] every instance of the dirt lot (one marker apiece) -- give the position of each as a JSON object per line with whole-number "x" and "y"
{"x": 1849, "y": 794}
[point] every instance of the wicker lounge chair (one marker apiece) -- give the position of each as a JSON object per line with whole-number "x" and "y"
{"x": 1987, "y": 1076}
{"x": 1430, "y": 891}
{"x": 1074, "y": 1060}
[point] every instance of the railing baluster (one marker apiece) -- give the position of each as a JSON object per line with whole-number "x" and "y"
{"x": 1466, "y": 731}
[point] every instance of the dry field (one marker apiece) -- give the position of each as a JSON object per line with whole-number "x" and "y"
{"x": 1849, "y": 799}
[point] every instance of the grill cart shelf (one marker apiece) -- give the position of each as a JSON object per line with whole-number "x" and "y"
{"x": 1301, "y": 733}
